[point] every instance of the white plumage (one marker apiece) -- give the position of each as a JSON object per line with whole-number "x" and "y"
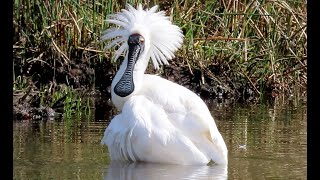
{"x": 164, "y": 37}
{"x": 159, "y": 121}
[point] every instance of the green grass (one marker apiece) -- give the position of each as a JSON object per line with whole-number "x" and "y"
{"x": 261, "y": 45}
{"x": 74, "y": 104}
{"x": 268, "y": 41}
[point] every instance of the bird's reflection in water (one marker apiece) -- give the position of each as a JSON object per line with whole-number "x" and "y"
{"x": 149, "y": 171}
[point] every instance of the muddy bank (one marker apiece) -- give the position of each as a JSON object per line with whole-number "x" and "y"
{"x": 92, "y": 78}
{"x": 59, "y": 60}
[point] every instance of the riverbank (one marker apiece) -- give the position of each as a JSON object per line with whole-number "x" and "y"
{"x": 243, "y": 51}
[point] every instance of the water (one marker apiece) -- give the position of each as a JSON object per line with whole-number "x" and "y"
{"x": 265, "y": 141}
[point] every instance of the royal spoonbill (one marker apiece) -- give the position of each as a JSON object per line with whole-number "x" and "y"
{"x": 159, "y": 121}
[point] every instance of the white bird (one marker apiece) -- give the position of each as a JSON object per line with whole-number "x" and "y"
{"x": 159, "y": 121}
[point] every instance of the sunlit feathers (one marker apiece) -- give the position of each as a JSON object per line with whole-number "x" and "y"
{"x": 164, "y": 37}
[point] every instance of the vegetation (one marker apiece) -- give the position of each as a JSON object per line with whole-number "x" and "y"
{"x": 237, "y": 49}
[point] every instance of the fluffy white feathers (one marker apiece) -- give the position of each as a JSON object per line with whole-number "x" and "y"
{"x": 160, "y": 34}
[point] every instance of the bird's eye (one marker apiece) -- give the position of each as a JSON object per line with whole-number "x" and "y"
{"x": 141, "y": 39}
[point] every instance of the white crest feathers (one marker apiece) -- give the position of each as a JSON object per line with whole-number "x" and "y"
{"x": 164, "y": 37}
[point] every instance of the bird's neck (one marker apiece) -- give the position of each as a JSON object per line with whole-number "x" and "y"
{"x": 137, "y": 76}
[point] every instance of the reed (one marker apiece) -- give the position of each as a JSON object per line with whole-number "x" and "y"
{"x": 261, "y": 44}
{"x": 239, "y": 46}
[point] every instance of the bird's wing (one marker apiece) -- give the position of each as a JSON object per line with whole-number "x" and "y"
{"x": 189, "y": 114}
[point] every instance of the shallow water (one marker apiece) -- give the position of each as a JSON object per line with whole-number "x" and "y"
{"x": 265, "y": 141}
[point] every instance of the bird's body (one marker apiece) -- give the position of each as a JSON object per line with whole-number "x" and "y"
{"x": 159, "y": 121}
{"x": 167, "y": 123}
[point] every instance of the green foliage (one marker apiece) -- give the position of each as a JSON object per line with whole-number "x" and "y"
{"x": 260, "y": 45}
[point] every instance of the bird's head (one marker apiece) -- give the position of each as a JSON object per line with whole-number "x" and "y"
{"x": 146, "y": 33}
